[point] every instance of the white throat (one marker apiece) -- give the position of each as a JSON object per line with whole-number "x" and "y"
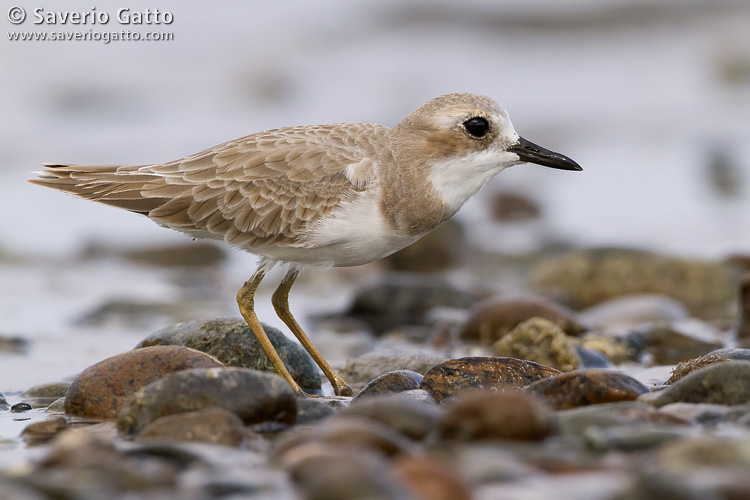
{"x": 458, "y": 179}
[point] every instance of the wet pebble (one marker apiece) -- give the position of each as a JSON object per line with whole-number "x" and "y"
{"x": 491, "y": 415}
{"x": 726, "y": 383}
{"x": 311, "y": 410}
{"x": 360, "y": 371}
{"x": 232, "y": 342}
{"x": 411, "y": 417}
{"x": 214, "y": 425}
{"x": 345, "y": 431}
{"x": 678, "y": 342}
{"x": 617, "y": 349}
{"x": 20, "y": 407}
{"x": 586, "y": 387}
{"x": 455, "y": 376}
{"x": 588, "y": 277}
{"x": 254, "y": 396}
{"x": 44, "y": 431}
{"x": 541, "y": 341}
{"x": 325, "y": 472}
{"x": 429, "y": 479}
{"x": 577, "y": 421}
{"x": 101, "y": 389}
{"x": 633, "y": 310}
{"x": 399, "y": 299}
{"x": 390, "y": 383}
{"x": 496, "y": 316}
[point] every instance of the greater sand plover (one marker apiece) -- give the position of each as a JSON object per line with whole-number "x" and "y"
{"x": 319, "y": 195}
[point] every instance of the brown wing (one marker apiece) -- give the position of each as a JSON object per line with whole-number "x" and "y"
{"x": 257, "y": 190}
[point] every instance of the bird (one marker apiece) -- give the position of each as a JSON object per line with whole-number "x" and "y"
{"x": 320, "y": 196}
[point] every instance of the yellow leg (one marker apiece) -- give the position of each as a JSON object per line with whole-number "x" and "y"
{"x": 280, "y": 302}
{"x": 246, "y": 301}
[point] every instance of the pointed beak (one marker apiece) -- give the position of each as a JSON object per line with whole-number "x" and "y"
{"x": 529, "y": 152}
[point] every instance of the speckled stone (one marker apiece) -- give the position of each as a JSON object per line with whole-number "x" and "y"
{"x": 232, "y": 342}
{"x": 541, "y": 341}
{"x": 586, "y": 387}
{"x": 455, "y": 376}
{"x": 390, "y": 383}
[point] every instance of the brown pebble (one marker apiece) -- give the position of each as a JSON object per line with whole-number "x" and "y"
{"x": 587, "y": 387}
{"x": 496, "y": 316}
{"x": 41, "y": 432}
{"x": 490, "y": 415}
{"x": 100, "y": 390}
{"x": 429, "y": 479}
{"x": 452, "y": 377}
{"x": 539, "y": 340}
{"x": 215, "y": 425}
{"x": 351, "y": 432}
{"x": 390, "y": 383}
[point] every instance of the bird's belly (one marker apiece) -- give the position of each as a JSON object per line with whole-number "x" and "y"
{"x": 353, "y": 235}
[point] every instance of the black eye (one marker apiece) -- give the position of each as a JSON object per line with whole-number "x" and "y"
{"x": 477, "y": 127}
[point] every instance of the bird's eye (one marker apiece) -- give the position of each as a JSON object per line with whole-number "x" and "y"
{"x": 477, "y": 127}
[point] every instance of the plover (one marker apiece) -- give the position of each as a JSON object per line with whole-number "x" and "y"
{"x": 319, "y": 195}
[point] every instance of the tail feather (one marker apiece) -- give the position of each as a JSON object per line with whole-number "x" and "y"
{"x": 112, "y": 185}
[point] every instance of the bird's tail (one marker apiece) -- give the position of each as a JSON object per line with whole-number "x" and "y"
{"x": 118, "y": 186}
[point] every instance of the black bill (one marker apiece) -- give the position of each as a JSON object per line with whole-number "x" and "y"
{"x": 529, "y": 152}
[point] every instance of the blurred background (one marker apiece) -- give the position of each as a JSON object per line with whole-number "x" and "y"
{"x": 651, "y": 97}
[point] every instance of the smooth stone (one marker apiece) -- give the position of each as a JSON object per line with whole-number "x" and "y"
{"x": 588, "y": 277}
{"x": 345, "y": 431}
{"x": 253, "y": 395}
{"x": 100, "y": 390}
{"x": 232, "y": 342}
{"x": 325, "y": 472}
{"x": 44, "y": 431}
{"x": 53, "y": 390}
{"x": 631, "y": 438}
{"x": 390, "y": 383}
{"x": 576, "y": 421}
{"x": 414, "y": 418}
{"x": 360, "y": 371}
{"x": 680, "y": 341}
{"x": 21, "y": 407}
{"x": 726, "y": 383}
{"x": 590, "y": 358}
{"x": 706, "y": 414}
{"x": 429, "y": 479}
{"x": 398, "y": 299}
{"x": 586, "y": 387}
{"x": 214, "y": 425}
{"x": 455, "y": 376}
{"x": 496, "y": 316}
{"x": 632, "y": 310}
{"x": 541, "y": 341}
{"x": 487, "y": 415}
{"x": 617, "y": 349}
{"x": 312, "y": 410}
{"x": 57, "y": 406}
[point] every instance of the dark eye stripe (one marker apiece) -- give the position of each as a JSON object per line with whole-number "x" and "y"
{"x": 477, "y": 127}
